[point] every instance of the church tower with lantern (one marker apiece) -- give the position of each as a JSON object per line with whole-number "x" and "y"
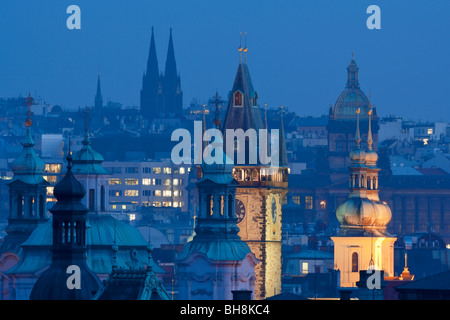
{"x": 215, "y": 262}
{"x": 27, "y": 192}
{"x": 363, "y": 242}
{"x": 262, "y": 188}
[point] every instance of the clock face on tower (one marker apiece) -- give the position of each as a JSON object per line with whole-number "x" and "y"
{"x": 274, "y": 210}
{"x": 240, "y": 210}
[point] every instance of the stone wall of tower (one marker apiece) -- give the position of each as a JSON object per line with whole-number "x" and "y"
{"x": 263, "y": 236}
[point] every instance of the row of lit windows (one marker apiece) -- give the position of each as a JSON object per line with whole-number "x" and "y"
{"x": 146, "y": 182}
{"x": 146, "y": 193}
{"x": 174, "y": 204}
{"x": 155, "y": 170}
{"x": 309, "y": 202}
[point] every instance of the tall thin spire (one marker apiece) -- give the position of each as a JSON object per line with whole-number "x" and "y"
{"x": 240, "y": 47}
{"x": 265, "y": 116}
{"x": 357, "y": 136}
{"x": 245, "y": 48}
{"x": 282, "y": 147}
{"x": 98, "y": 95}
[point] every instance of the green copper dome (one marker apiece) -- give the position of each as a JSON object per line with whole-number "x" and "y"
{"x": 87, "y": 160}
{"x": 28, "y": 167}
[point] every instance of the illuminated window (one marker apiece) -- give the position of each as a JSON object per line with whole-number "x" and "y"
{"x": 167, "y": 204}
{"x": 304, "y": 267}
{"x": 147, "y": 182}
{"x": 50, "y": 191}
{"x": 430, "y": 131}
{"x": 157, "y": 170}
{"x": 50, "y": 179}
{"x": 114, "y": 207}
{"x": 296, "y": 199}
{"x": 115, "y": 181}
{"x": 175, "y": 204}
{"x": 177, "y": 193}
{"x": 131, "y": 182}
{"x": 238, "y": 99}
{"x": 157, "y": 193}
{"x": 176, "y": 182}
{"x": 167, "y": 170}
{"x": 167, "y": 193}
{"x": 308, "y": 202}
{"x": 131, "y": 193}
{"x": 157, "y": 204}
{"x": 182, "y": 170}
{"x": 124, "y": 207}
{"x": 115, "y": 193}
{"x": 323, "y": 204}
{"x": 167, "y": 182}
{"x": 53, "y": 167}
{"x": 132, "y": 216}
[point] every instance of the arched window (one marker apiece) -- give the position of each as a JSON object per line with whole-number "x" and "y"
{"x": 238, "y": 99}
{"x": 354, "y": 262}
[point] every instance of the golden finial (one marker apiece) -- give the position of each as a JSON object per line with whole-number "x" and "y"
{"x": 240, "y": 47}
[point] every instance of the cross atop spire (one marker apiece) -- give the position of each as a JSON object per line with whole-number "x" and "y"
{"x": 29, "y": 102}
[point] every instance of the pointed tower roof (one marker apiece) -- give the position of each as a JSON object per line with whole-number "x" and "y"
{"x": 170, "y": 70}
{"x": 152, "y": 62}
{"x": 282, "y": 144}
{"x": 98, "y": 95}
{"x": 243, "y": 114}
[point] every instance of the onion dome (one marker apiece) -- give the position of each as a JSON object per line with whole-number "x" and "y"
{"x": 358, "y": 211}
{"x": 28, "y": 167}
{"x": 69, "y": 188}
{"x": 87, "y": 160}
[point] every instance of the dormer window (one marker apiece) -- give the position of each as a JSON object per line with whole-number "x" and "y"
{"x": 238, "y": 99}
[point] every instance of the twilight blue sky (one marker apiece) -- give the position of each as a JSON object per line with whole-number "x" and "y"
{"x": 298, "y": 51}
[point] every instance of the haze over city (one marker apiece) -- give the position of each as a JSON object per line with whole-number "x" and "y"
{"x": 298, "y": 51}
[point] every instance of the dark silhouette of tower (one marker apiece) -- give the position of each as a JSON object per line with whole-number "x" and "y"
{"x": 173, "y": 96}
{"x": 98, "y": 95}
{"x": 161, "y": 95}
{"x": 69, "y": 246}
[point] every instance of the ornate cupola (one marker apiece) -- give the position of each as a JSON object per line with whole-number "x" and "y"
{"x": 27, "y": 192}
{"x": 216, "y": 260}
{"x": 363, "y": 241}
{"x": 69, "y": 246}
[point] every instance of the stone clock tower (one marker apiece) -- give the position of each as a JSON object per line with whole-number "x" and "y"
{"x": 261, "y": 189}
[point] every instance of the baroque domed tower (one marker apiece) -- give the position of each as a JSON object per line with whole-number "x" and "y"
{"x": 216, "y": 261}
{"x": 27, "y": 191}
{"x": 363, "y": 241}
{"x": 342, "y": 122}
{"x": 69, "y": 246}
